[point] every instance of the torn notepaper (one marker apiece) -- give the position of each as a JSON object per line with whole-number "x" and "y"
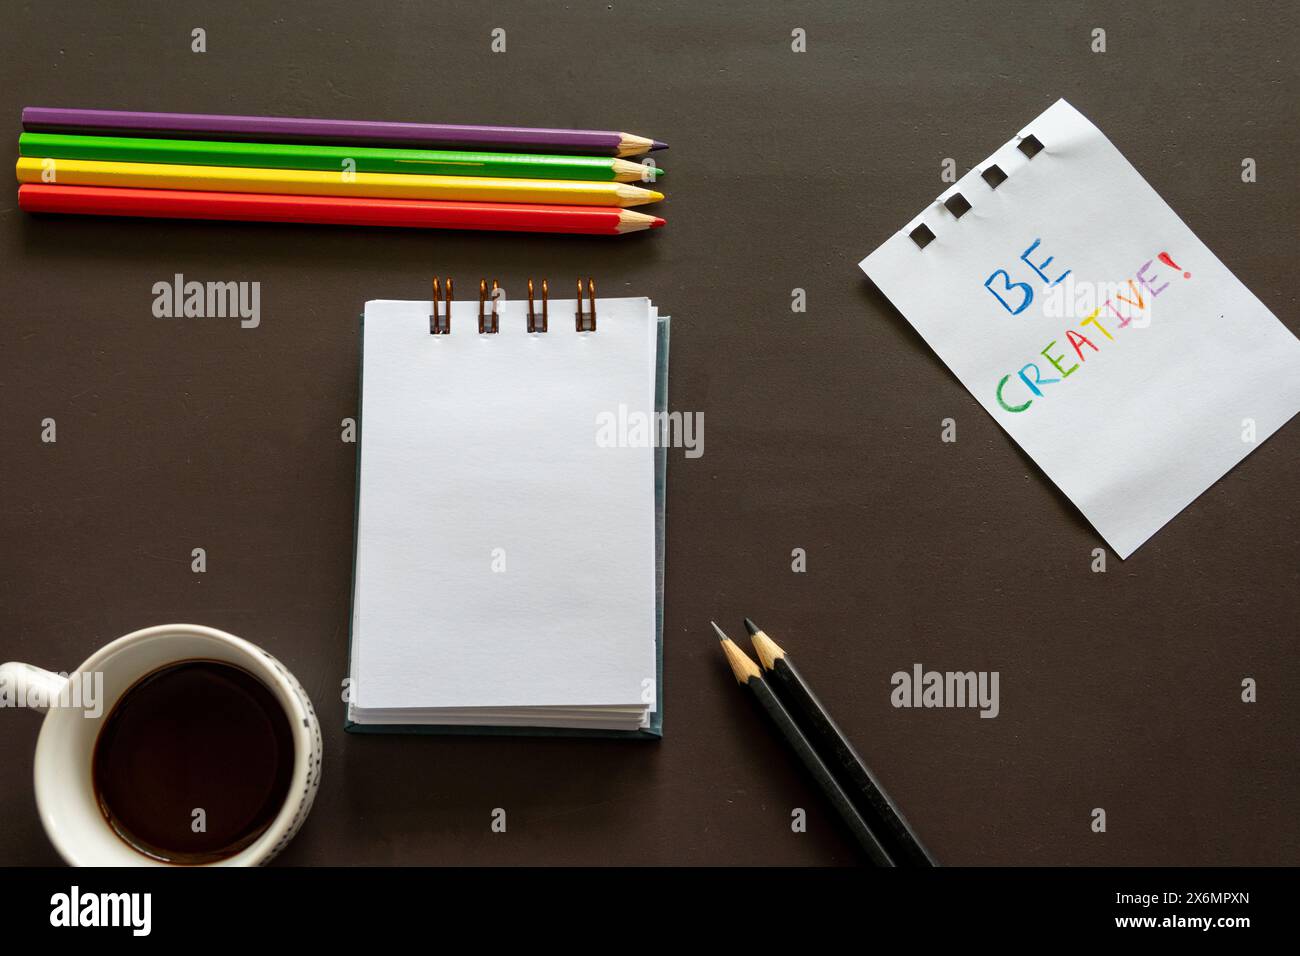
{"x": 1094, "y": 327}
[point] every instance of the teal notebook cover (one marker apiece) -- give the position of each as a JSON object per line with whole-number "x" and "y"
{"x": 655, "y": 729}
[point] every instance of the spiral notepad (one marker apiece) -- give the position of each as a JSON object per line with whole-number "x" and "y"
{"x": 1093, "y": 325}
{"x": 508, "y": 550}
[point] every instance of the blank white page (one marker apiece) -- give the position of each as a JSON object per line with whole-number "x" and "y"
{"x": 504, "y": 557}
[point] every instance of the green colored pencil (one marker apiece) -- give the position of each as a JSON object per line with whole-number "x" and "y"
{"x": 367, "y": 159}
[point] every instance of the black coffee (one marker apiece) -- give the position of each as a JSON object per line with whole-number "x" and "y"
{"x": 194, "y": 762}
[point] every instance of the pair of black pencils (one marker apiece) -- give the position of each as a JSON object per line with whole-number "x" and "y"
{"x": 817, "y": 740}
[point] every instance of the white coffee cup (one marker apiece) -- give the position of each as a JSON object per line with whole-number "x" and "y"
{"x": 65, "y": 796}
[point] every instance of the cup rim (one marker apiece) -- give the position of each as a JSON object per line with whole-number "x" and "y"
{"x": 264, "y": 670}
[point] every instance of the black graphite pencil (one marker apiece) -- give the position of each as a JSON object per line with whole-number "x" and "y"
{"x": 898, "y": 837}
{"x": 748, "y": 675}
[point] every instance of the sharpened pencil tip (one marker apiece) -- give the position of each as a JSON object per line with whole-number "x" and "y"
{"x": 768, "y": 650}
{"x": 659, "y": 144}
{"x": 655, "y": 225}
{"x": 721, "y": 636}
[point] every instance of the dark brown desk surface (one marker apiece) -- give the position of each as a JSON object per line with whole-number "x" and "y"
{"x": 822, "y": 430}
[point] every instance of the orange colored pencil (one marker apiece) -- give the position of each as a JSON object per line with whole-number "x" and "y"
{"x": 334, "y": 210}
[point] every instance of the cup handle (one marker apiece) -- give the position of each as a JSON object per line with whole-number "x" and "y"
{"x": 22, "y": 685}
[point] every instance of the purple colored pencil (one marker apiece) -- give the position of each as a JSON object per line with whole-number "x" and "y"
{"x": 297, "y": 130}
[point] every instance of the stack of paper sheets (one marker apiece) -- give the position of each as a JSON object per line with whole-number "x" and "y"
{"x": 506, "y": 524}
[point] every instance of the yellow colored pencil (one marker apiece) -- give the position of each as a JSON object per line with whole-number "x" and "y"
{"x": 311, "y": 182}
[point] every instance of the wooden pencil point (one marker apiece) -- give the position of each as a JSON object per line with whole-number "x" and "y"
{"x": 629, "y": 195}
{"x": 741, "y": 665}
{"x": 744, "y": 668}
{"x": 751, "y": 627}
{"x": 632, "y": 145}
{"x": 629, "y": 220}
{"x": 768, "y": 651}
{"x": 626, "y": 171}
